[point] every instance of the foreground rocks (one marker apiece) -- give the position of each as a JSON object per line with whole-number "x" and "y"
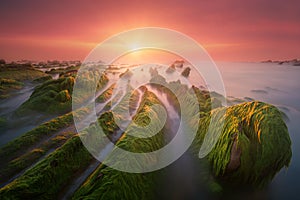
{"x": 253, "y": 146}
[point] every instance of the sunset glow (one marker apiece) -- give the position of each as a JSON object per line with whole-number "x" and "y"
{"x": 232, "y": 30}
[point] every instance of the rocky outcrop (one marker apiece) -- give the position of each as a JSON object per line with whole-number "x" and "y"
{"x": 253, "y": 146}
{"x": 186, "y": 72}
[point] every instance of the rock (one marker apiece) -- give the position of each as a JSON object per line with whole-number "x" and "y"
{"x": 63, "y": 96}
{"x": 127, "y": 74}
{"x": 186, "y": 72}
{"x": 253, "y": 146}
{"x": 235, "y": 157}
{"x": 153, "y": 72}
{"x": 42, "y": 79}
{"x": 171, "y": 69}
{"x": 297, "y": 64}
{"x": 54, "y": 163}
{"x": 178, "y": 63}
{"x": 2, "y": 62}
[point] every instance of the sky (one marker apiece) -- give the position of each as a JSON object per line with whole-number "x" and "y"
{"x": 230, "y": 30}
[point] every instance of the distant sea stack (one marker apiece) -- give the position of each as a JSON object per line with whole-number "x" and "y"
{"x": 186, "y": 72}
{"x": 294, "y": 62}
{"x": 178, "y": 63}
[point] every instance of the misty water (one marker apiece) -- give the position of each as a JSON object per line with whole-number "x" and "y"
{"x": 181, "y": 179}
{"x": 16, "y": 126}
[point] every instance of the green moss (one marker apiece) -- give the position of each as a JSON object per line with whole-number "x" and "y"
{"x": 28, "y": 158}
{"x": 20, "y": 72}
{"x": 12, "y": 77}
{"x": 53, "y": 97}
{"x": 42, "y": 79}
{"x": 108, "y": 183}
{"x": 260, "y": 135}
{"x": 46, "y": 178}
{"x": 6, "y": 85}
{"x": 86, "y": 81}
{"x": 65, "y": 71}
{"x": 107, "y": 123}
{"x": 14, "y": 148}
{"x": 106, "y": 95}
{"x": 63, "y": 96}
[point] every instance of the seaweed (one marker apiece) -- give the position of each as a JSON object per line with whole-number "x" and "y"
{"x": 6, "y": 85}
{"x": 108, "y": 183}
{"x": 12, "y": 149}
{"x": 28, "y": 158}
{"x": 53, "y": 97}
{"x": 254, "y": 144}
{"x": 46, "y": 178}
{"x": 106, "y": 95}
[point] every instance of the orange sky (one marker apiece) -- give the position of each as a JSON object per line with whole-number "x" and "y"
{"x": 231, "y": 30}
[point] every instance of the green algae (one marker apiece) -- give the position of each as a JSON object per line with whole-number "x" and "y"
{"x": 42, "y": 79}
{"x": 20, "y": 72}
{"x": 258, "y": 131}
{"x": 28, "y": 158}
{"x": 87, "y": 84}
{"x": 106, "y": 121}
{"x": 47, "y": 177}
{"x": 7, "y": 85}
{"x": 63, "y": 96}
{"x": 64, "y": 71}
{"x": 12, "y": 149}
{"x": 108, "y": 183}
{"x": 13, "y": 76}
{"x": 106, "y": 95}
{"x": 53, "y": 96}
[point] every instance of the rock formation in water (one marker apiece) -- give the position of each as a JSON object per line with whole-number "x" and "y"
{"x": 254, "y": 144}
{"x": 186, "y": 72}
{"x": 54, "y": 96}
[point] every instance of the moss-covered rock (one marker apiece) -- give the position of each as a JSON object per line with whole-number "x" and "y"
{"x": 46, "y": 178}
{"x": 13, "y": 76}
{"x": 20, "y": 72}
{"x": 30, "y": 157}
{"x": 53, "y": 96}
{"x": 63, "y": 96}
{"x": 42, "y": 79}
{"x": 106, "y": 95}
{"x": 108, "y": 183}
{"x": 6, "y": 85}
{"x": 64, "y": 72}
{"x": 254, "y": 144}
{"x": 19, "y": 145}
